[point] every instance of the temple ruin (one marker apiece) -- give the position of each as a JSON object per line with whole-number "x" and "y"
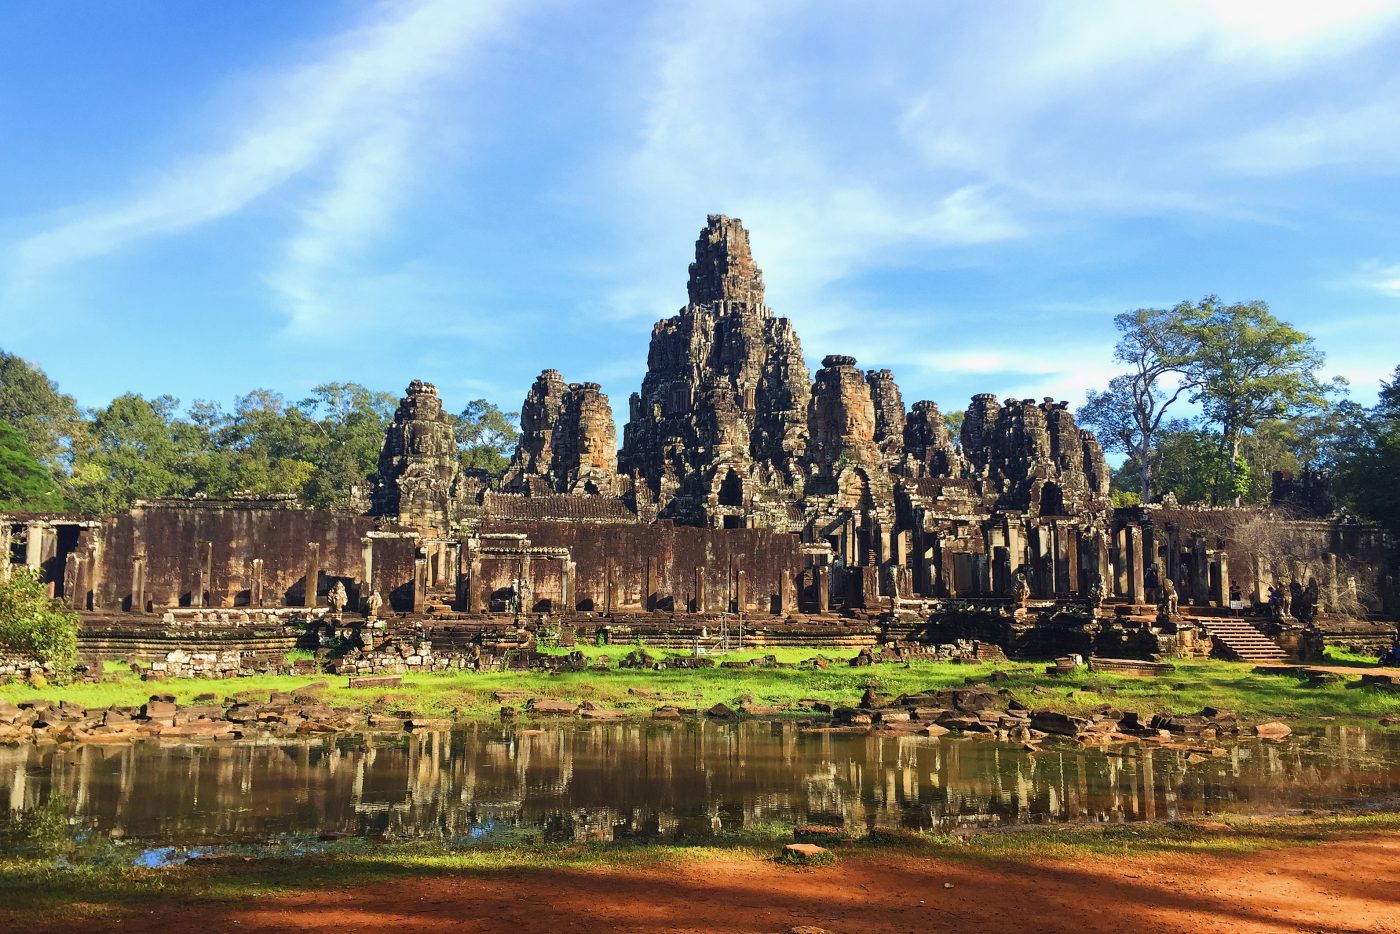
{"x": 747, "y": 491}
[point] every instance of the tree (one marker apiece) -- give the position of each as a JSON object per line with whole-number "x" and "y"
{"x": 48, "y": 419}
{"x": 1246, "y": 367}
{"x": 350, "y": 421}
{"x": 486, "y": 437}
{"x": 35, "y": 625}
{"x": 25, "y": 484}
{"x": 133, "y": 451}
{"x": 1365, "y": 471}
{"x": 1127, "y": 417}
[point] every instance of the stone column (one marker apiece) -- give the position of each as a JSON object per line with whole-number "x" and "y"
{"x": 1220, "y": 579}
{"x": 255, "y": 590}
{"x": 1120, "y": 562}
{"x": 202, "y": 597}
{"x": 1331, "y": 586}
{"x": 1074, "y": 581}
{"x": 649, "y": 585}
{"x": 475, "y": 597}
{"x": 741, "y": 590}
{"x": 138, "y": 582}
{"x": 947, "y": 568}
{"x": 1256, "y": 565}
{"x": 34, "y": 545}
{"x": 70, "y": 580}
{"x": 823, "y": 588}
{"x": 313, "y": 573}
{"x": 787, "y": 601}
{"x": 6, "y": 543}
{"x": 567, "y": 575}
{"x": 1172, "y": 546}
{"x": 1137, "y": 589}
{"x": 366, "y": 572}
{"x": 420, "y": 584}
{"x": 699, "y": 590}
{"x": 1202, "y": 559}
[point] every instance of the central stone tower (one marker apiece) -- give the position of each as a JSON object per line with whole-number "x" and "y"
{"x": 723, "y": 408}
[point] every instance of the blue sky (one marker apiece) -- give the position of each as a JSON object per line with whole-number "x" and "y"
{"x": 202, "y": 198}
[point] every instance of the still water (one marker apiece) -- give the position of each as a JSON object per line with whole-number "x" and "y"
{"x": 685, "y": 780}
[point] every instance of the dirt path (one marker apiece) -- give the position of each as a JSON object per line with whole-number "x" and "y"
{"x": 1338, "y": 886}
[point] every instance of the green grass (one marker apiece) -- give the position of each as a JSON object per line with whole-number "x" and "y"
{"x": 469, "y": 695}
{"x": 1340, "y": 655}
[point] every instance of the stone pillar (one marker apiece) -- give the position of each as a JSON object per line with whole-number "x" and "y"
{"x": 1070, "y": 546}
{"x": 699, "y": 590}
{"x": 255, "y": 589}
{"x": 138, "y": 582}
{"x": 6, "y": 543}
{"x": 476, "y": 602}
{"x": 649, "y": 585}
{"x": 869, "y": 587}
{"x": 981, "y": 574}
{"x": 1137, "y": 588}
{"x": 1120, "y": 562}
{"x": 947, "y": 569}
{"x": 823, "y": 588}
{"x": 70, "y": 580}
{"x": 1260, "y": 587}
{"x": 1200, "y": 570}
{"x": 567, "y": 585}
{"x": 313, "y": 573}
{"x": 609, "y": 585}
{"x": 741, "y": 589}
{"x": 34, "y": 545}
{"x": 1331, "y": 586}
{"x": 1220, "y": 579}
{"x": 420, "y": 584}
{"x": 366, "y": 572}
{"x": 202, "y": 597}
{"x": 1172, "y": 546}
{"x": 787, "y": 601}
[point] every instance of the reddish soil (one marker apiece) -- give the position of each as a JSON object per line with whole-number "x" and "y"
{"x": 1336, "y": 886}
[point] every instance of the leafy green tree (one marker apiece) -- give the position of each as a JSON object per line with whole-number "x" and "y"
{"x": 133, "y": 451}
{"x": 486, "y": 437}
{"x": 1156, "y": 347}
{"x": 1365, "y": 471}
{"x": 48, "y": 419}
{"x": 25, "y": 484}
{"x": 33, "y": 624}
{"x": 344, "y": 430}
{"x": 1247, "y": 367}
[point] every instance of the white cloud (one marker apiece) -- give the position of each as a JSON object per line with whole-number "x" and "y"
{"x": 1375, "y": 276}
{"x": 352, "y": 115}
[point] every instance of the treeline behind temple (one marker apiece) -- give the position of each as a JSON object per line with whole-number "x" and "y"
{"x": 1213, "y": 398}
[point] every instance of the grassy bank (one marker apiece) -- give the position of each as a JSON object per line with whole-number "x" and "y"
{"x": 467, "y": 695}
{"x": 102, "y": 882}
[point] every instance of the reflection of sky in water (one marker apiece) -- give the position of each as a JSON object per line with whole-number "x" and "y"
{"x": 639, "y": 781}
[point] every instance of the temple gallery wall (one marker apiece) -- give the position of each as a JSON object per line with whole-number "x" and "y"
{"x": 741, "y": 483}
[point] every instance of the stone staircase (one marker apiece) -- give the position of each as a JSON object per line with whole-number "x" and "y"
{"x": 1238, "y": 638}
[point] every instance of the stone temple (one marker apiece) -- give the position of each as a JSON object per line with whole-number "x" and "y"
{"x": 747, "y": 490}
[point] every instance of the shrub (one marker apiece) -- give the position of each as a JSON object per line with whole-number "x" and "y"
{"x": 34, "y": 625}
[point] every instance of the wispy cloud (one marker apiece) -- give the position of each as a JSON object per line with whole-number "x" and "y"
{"x": 345, "y": 122}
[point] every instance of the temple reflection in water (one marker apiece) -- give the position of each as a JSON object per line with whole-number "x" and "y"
{"x": 645, "y": 780}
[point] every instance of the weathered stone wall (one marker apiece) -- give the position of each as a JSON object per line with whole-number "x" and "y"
{"x": 659, "y": 566}
{"x": 220, "y": 554}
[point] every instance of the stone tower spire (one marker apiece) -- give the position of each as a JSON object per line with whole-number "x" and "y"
{"x": 724, "y": 270}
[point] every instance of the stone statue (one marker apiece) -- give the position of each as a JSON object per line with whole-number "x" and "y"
{"x": 1167, "y": 603}
{"x": 337, "y": 598}
{"x": 373, "y": 605}
{"x": 1020, "y": 589}
{"x": 1096, "y": 593}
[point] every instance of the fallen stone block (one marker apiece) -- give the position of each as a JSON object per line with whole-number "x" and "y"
{"x": 1272, "y": 730}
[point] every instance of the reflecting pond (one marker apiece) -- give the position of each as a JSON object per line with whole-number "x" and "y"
{"x": 644, "y": 780}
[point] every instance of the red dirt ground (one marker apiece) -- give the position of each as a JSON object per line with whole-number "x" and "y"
{"x": 1337, "y": 887}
